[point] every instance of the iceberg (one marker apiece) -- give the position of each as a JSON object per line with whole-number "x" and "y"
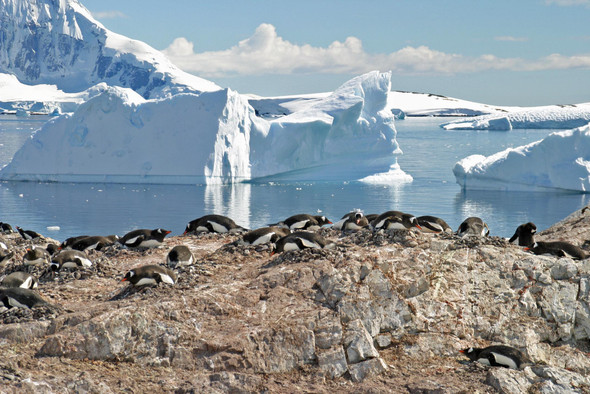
{"x": 213, "y": 137}
{"x": 546, "y": 117}
{"x": 560, "y": 161}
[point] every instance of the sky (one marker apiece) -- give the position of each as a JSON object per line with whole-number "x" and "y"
{"x": 501, "y": 52}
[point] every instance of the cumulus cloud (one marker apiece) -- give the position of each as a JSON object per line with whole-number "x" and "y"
{"x": 265, "y": 52}
{"x": 108, "y": 14}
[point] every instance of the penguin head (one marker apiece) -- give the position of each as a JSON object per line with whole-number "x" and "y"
{"x": 162, "y": 231}
{"x": 128, "y": 276}
{"x": 54, "y": 266}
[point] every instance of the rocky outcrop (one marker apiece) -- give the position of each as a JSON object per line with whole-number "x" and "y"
{"x": 390, "y": 310}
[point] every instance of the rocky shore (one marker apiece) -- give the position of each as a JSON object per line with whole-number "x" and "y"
{"x": 381, "y": 312}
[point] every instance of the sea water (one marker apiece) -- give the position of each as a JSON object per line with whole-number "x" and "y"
{"x": 61, "y": 210}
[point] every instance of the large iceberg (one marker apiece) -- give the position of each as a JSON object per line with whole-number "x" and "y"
{"x": 559, "y": 161}
{"x": 547, "y": 117}
{"x": 214, "y": 137}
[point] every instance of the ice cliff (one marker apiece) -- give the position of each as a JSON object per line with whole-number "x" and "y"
{"x": 60, "y": 43}
{"x": 118, "y": 136}
{"x": 559, "y": 161}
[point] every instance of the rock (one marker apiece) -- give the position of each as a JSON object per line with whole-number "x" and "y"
{"x": 333, "y": 362}
{"x": 564, "y": 269}
{"x": 507, "y": 380}
{"x": 358, "y": 343}
{"x": 360, "y": 371}
{"x": 383, "y": 340}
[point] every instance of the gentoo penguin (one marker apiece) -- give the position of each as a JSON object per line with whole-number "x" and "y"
{"x": 95, "y": 242}
{"x": 264, "y": 235}
{"x": 150, "y": 275}
{"x": 558, "y": 248}
{"x": 70, "y": 259}
{"x": 144, "y": 238}
{"x": 473, "y": 226}
{"x": 304, "y": 221}
{"x": 20, "y": 279}
{"x": 352, "y": 221}
{"x": 5, "y": 253}
{"x": 213, "y": 224}
{"x": 52, "y": 248}
{"x": 36, "y": 256}
{"x": 524, "y": 235}
{"x": 180, "y": 256}
{"x": 70, "y": 241}
{"x": 496, "y": 356}
{"x": 29, "y": 235}
{"x": 6, "y": 228}
{"x": 395, "y": 220}
{"x": 433, "y": 224}
{"x": 301, "y": 240}
{"x": 19, "y": 297}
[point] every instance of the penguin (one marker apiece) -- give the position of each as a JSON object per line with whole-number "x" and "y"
{"x": 395, "y": 220}
{"x": 213, "y": 224}
{"x": 20, "y": 279}
{"x": 264, "y": 235}
{"x": 29, "y": 235}
{"x": 144, "y": 238}
{"x": 150, "y": 275}
{"x": 179, "y": 256}
{"x": 5, "y": 253}
{"x": 352, "y": 221}
{"x": 67, "y": 244}
{"x": 6, "y": 228}
{"x": 433, "y": 224}
{"x": 36, "y": 256}
{"x": 473, "y": 226}
{"x": 524, "y": 235}
{"x": 52, "y": 248}
{"x": 304, "y": 221}
{"x": 95, "y": 242}
{"x": 370, "y": 217}
{"x": 21, "y": 298}
{"x": 70, "y": 259}
{"x": 497, "y": 356}
{"x": 558, "y": 248}
{"x": 301, "y": 240}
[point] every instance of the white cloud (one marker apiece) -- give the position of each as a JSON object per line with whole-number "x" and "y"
{"x": 267, "y": 53}
{"x": 108, "y": 14}
{"x": 511, "y": 38}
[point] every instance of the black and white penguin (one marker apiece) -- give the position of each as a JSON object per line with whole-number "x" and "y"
{"x": 473, "y": 226}
{"x": 180, "y": 256}
{"x": 70, "y": 259}
{"x": 150, "y": 275}
{"x": 497, "y": 356}
{"x": 52, "y": 248}
{"x": 433, "y": 224}
{"x": 29, "y": 235}
{"x": 20, "y": 279}
{"x": 94, "y": 242}
{"x": 264, "y": 235}
{"x": 144, "y": 238}
{"x": 301, "y": 240}
{"x": 352, "y": 221}
{"x": 213, "y": 224}
{"x": 304, "y": 221}
{"x": 5, "y": 253}
{"x": 395, "y": 220}
{"x": 524, "y": 235}
{"x": 67, "y": 244}
{"x": 6, "y": 228}
{"x": 558, "y": 248}
{"x": 17, "y": 297}
{"x": 36, "y": 256}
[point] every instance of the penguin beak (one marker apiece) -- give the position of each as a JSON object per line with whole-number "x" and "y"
{"x": 527, "y": 248}
{"x": 167, "y": 232}
{"x": 418, "y": 226}
{"x": 123, "y": 280}
{"x": 461, "y": 351}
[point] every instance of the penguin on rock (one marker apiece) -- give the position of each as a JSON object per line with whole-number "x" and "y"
{"x": 150, "y": 275}
{"x": 524, "y": 235}
{"x": 473, "y": 226}
{"x": 497, "y": 356}
{"x": 144, "y": 238}
{"x": 213, "y": 224}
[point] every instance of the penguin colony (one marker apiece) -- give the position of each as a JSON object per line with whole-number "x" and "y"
{"x": 296, "y": 232}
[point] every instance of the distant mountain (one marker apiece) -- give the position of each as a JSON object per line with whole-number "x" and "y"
{"x": 60, "y": 43}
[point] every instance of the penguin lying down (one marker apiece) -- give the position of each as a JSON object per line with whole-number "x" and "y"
{"x": 497, "y": 356}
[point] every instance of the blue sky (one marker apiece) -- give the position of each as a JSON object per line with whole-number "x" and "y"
{"x": 525, "y": 52}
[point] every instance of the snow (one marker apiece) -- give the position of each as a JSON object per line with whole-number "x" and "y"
{"x": 213, "y": 137}
{"x": 561, "y": 161}
{"x": 546, "y": 117}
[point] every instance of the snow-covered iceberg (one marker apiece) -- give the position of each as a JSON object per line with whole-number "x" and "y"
{"x": 559, "y": 161}
{"x": 547, "y": 117}
{"x": 214, "y": 137}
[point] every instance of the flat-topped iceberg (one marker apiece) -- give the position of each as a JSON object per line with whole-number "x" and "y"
{"x": 559, "y": 161}
{"x": 214, "y": 137}
{"x": 547, "y": 117}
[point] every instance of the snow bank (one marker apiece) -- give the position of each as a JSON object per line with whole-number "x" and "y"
{"x": 560, "y": 161}
{"x": 547, "y": 117}
{"x": 214, "y": 137}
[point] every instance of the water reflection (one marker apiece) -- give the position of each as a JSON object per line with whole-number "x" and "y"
{"x": 229, "y": 200}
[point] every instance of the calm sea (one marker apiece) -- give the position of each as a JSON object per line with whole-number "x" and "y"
{"x": 429, "y": 155}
